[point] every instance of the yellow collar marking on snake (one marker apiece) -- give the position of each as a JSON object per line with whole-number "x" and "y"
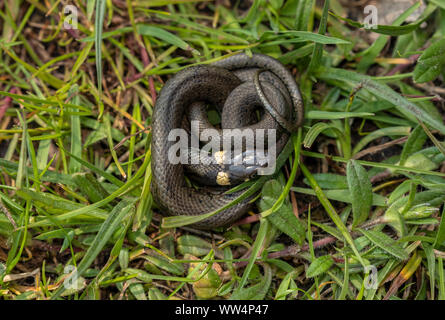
{"x": 223, "y": 178}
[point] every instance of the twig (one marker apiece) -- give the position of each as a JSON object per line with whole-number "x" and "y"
{"x": 380, "y": 147}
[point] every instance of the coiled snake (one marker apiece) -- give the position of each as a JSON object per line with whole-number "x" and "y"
{"x": 235, "y": 86}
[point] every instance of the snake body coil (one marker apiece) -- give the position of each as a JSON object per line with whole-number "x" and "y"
{"x": 229, "y": 86}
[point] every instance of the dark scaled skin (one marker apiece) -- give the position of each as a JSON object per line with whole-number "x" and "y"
{"x": 238, "y": 113}
{"x": 212, "y": 84}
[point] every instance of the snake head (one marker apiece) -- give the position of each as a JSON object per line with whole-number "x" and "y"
{"x": 245, "y": 166}
{"x": 242, "y": 173}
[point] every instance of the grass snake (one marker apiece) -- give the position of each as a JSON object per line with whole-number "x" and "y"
{"x": 236, "y": 86}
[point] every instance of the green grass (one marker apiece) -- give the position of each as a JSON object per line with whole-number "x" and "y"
{"x": 361, "y": 185}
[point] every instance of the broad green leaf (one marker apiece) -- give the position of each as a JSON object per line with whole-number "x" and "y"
{"x": 137, "y": 290}
{"x": 163, "y": 263}
{"x": 419, "y": 211}
{"x": 164, "y": 35}
{"x": 319, "y": 266}
{"x": 207, "y": 287}
{"x": 431, "y": 62}
{"x": 156, "y": 294}
{"x": 283, "y": 289}
{"x": 90, "y": 187}
{"x": 384, "y": 242}
{"x": 361, "y": 192}
{"x": 284, "y": 218}
{"x": 124, "y": 258}
{"x": 414, "y": 143}
{"x": 226, "y": 288}
{"x": 255, "y": 292}
{"x": 422, "y": 205}
{"x": 422, "y": 161}
{"x": 193, "y": 245}
{"x": 329, "y": 181}
{"x": 399, "y": 191}
{"x": 6, "y": 228}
